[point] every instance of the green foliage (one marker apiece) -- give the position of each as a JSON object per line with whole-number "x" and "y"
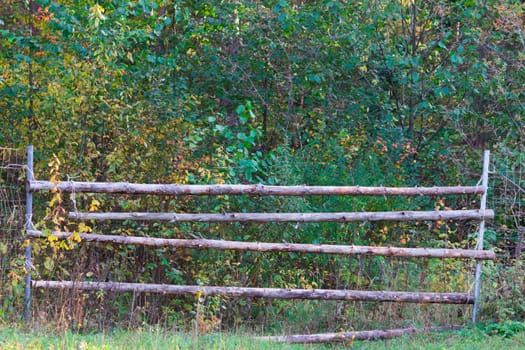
{"x": 395, "y": 93}
{"x": 506, "y": 329}
{"x": 503, "y": 295}
{"x": 236, "y": 147}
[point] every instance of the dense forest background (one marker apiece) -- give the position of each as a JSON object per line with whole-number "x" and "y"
{"x": 278, "y": 92}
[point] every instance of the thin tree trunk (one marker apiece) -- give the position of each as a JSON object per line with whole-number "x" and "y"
{"x": 277, "y": 247}
{"x": 349, "y": 337}
{"x": 261, "y": 190}
{"x": 271, "y": 293}
{"x": 291, "y": 217}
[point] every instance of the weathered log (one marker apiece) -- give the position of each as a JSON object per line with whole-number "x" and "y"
{"x": 277, "y": 247}
{"x": 293, "y": 217}
{"x": 481, "y": 232}
{"x": 261, "y": 190}
{"x": 271, "y": 293}
{"x": 348, "y": 337}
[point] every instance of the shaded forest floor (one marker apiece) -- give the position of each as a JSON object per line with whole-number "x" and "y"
{"x": 491, "y": 337}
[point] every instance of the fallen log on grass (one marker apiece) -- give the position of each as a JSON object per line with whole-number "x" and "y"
{"x": 349, "y": 337}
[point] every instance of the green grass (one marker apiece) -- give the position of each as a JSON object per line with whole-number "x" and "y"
{"x": 468, "y": 339}
{"x": 154, "y": 339}
{"x": 15, "y": 338}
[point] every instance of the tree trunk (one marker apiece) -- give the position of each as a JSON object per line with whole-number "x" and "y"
{"x": 261, "y": 190}
{"x": 271, "y": 293}
{"x": 292, "y": 217}
{"x": 351, "y": 336}
{"x": 277, "y": 247}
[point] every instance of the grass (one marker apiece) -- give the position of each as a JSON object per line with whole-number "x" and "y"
{"x": 467, "y": 339}
{"x": 16, "y": 338}
{"x": 155, "y": 339}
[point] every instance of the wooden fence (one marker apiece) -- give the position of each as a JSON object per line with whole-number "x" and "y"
{"x": 479, "y": 253}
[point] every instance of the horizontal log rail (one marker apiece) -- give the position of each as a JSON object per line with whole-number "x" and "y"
{"x": 351, "y": 336}
{"x": 277, "y": 247}
{"x": 292, "y": 217}
{"x": 271, "y": 293}
{"x": 261, "y": 190}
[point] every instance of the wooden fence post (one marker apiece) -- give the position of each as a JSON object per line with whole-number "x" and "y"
{"x": 29, "y": 226}
{"x": 479, "y": 246}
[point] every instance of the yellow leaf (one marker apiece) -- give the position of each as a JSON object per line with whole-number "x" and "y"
{"x": 98, "y": 11}
{"x": 76, "y": 237}
{"x": 57, "y": 198}
{"x": 82, "y": 227}
{"x": 95, "y": 204}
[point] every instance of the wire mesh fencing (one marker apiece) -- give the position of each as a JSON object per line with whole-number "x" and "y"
{"x": 508, "y": 200}
{"x": 12, "y": 210}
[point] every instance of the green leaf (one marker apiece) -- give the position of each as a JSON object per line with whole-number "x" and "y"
{"x": 240, "y": 109}
{"x": 456, "y": 59}
{"x": 24, "y": 58}
{"x": 316, "y": 78}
